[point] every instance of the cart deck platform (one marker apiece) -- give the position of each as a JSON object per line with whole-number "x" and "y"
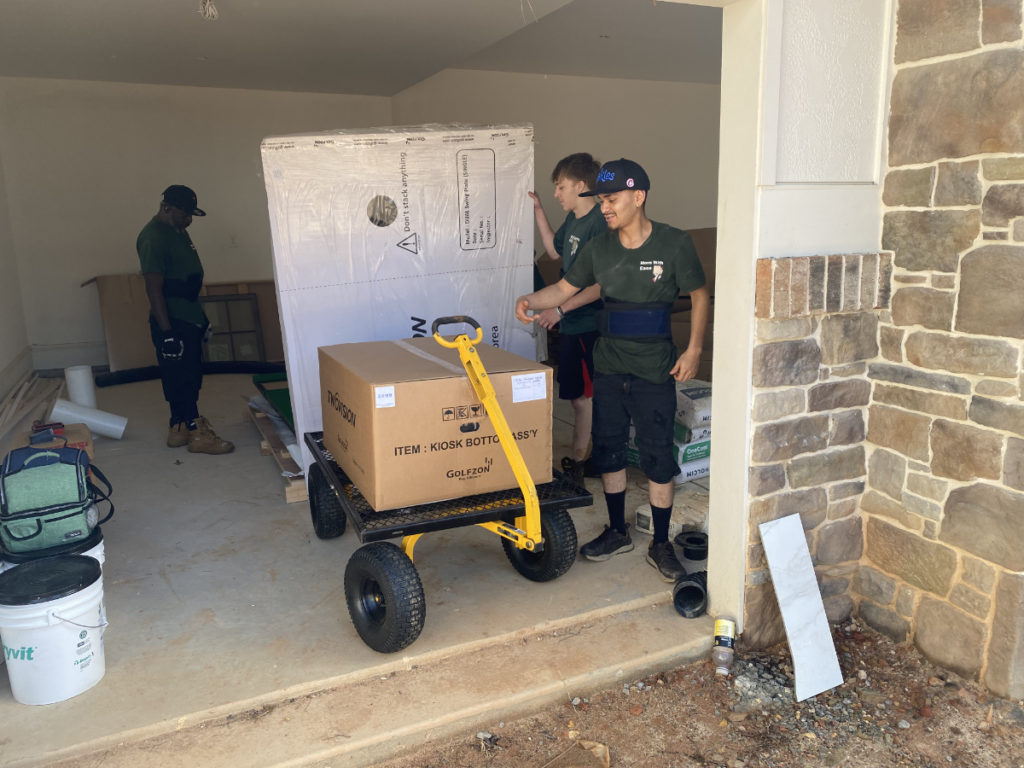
{"x": 560, "y": 494}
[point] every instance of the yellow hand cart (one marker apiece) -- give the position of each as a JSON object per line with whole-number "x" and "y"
{"x": 382, "y": 588}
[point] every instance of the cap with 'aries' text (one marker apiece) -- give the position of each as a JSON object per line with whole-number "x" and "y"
{"x": 617, "y": 176}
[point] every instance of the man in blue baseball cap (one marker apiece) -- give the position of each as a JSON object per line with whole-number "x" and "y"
{"x": 642, "y": 266}
{"x": 174, "y": 276}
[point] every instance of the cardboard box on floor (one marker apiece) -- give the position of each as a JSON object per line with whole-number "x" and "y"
{"x": 403, "y": 422}
{"x": 77, "y": 436}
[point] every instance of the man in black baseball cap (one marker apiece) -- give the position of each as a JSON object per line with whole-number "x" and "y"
{"x": 174, "y": 277}
{"x": 642, "y": 266}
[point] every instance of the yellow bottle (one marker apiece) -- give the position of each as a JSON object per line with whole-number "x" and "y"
{"x": 722, "y": 653}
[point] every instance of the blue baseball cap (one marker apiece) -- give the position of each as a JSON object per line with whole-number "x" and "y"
{"x": 618, "y": 176}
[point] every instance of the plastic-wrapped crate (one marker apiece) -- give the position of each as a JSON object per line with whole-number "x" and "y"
{"x": 378, "y": 232}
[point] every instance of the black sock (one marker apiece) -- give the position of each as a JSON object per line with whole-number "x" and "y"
{"x": 617, "y": 510}
{"x": 661, "y": 517}
{"x": 191, "y": 424}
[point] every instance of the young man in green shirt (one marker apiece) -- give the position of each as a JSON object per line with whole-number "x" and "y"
{"x": 174, "y": 277}
{"x": 573, "y": 177}
{"x": 641, "y": 267}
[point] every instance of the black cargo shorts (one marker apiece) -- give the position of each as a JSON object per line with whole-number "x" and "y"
{"x": 621, "y": 398}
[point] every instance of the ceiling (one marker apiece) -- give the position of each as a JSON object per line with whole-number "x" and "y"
{"x": 377, "y": 47}
{"x": 630, "y": 39}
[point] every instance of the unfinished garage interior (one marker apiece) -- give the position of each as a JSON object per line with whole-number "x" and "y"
{"x": 218, "y": 592}
{"x": 851, "y": 177}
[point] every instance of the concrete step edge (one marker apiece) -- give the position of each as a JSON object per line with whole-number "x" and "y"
{"x": 199, "y": 717}
{"x": 392, "y": 744}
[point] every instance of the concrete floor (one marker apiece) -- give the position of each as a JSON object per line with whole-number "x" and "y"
{"x": 218, "y": 593}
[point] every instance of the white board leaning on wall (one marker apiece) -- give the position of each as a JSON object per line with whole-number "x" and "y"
{"x": 378, "y": 232}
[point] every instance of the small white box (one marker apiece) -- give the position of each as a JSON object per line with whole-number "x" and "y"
{"x": 693, "y": 404}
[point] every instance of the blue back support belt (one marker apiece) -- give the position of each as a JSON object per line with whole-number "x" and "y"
{"x": 649, "y": 321}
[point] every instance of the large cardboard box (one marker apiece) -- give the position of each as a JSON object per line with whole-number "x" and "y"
{"x": 402, "y": 420}
{"x": 124, "y": 307}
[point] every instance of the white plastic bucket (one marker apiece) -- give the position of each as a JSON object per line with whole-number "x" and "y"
{"x": 81, "y": 385}
{"x": 54, "y": 649}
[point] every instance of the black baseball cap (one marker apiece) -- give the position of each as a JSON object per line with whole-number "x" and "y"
{"x": 184, "y": 198}
{"x": 619, "y": 175}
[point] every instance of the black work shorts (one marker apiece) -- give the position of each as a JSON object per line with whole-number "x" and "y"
{"x": 182, "y": 379}
{"x": 621, "y": 398}
{"x": 576, "y": 365}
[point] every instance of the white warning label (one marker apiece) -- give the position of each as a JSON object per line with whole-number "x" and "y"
{"x": 477, "y": 198}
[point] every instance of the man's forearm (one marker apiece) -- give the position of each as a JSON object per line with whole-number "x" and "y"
{"x": 700, "y": 302}
{"x": 158, "y": 305}
{"x": 552, "y": 296}
{"x": 547, "y": 234}
{"x": 586, "y": 296}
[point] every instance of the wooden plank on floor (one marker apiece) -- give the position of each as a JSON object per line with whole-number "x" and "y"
{"x": 272, "y": 445}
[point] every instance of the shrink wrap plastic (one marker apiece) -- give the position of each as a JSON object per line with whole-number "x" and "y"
{"x": 378, "y": 232}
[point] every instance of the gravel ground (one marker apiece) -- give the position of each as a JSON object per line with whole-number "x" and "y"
{"x": 895, "y": 709}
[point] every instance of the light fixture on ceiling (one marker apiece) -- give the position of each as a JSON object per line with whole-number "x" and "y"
{"x": 208, "y": 10}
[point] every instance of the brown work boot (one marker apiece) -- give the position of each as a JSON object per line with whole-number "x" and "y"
{"x": 177, "y": 436}
{"x": 203, "y": 439}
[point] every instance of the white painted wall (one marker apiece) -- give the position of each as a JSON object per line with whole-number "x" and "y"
{"x": 743, "y": 26}
{"x": 13, "y": 339}
{"x": 832, "y": 64}
{"x": 86, "y": 163}
{"x": 825, "y": 90}
{"x": 671, "y": 129}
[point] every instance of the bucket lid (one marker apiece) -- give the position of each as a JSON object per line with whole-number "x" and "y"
{"x": 76, "y": 547}
{"x": 51, "y": 579}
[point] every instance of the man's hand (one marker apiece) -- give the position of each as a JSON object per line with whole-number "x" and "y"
{"x": 172, "y": 348}
{"x": 686, "y": 366}
{"x": 547, "y": 319}
{"x": 536, "y": 201}
{"x": 523, "y": 304}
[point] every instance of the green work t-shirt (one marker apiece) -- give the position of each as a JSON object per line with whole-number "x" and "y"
{"x": 164, "y": 250}
{"x": 569, "y": 239}
{"x": 658, "y": 271}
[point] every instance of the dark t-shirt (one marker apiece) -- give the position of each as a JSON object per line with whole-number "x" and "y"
{"x": 569, "y": 240}
{"x": 658, "y": 271}
{"x": 164, "y": 250}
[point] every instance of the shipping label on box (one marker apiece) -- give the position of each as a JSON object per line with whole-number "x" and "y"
{"x": 403, "y": 422}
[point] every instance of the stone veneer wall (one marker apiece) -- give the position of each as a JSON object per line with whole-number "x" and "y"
{"x": 944, "y": 508}
{"x": 817, "y": 326}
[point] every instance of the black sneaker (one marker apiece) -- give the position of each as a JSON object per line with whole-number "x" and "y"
{"x": 663, "y": 557}
{"x": 573, "y": 470}
{"x": 608, "y": 544}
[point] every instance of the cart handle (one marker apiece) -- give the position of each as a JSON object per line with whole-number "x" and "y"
{"x": 452, "y": 321}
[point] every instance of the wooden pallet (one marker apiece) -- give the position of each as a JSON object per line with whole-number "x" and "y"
{"x": 272, "y": 445}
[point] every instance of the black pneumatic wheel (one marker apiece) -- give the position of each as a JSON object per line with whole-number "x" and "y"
{"x": 324, "y": 506}
{"x": 559, "y": 551}
{"x": 384, "y": 596}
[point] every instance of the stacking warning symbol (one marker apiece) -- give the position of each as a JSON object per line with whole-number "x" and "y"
{"x": 411, "y": 243}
